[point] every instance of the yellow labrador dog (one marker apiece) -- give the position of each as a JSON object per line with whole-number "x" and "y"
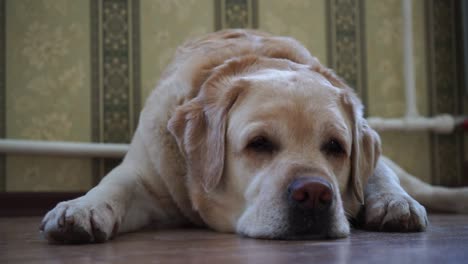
{"x": 248, "y": 133}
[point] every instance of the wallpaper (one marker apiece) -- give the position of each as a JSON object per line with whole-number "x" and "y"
{"x": 445, "y": 84}
{"x": 302, "y": 19}
{"x": 386, "y": 85}
{"x": 2, "y": 90}
{"x": 115, "y": 75}
{"x": 165, "y": 25}
{"x": 47, "y": 90}
{"x": 81, "y": 71}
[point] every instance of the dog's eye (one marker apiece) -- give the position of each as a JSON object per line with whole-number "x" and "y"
{"x": 333, "y": 147}
{"x": 261, "y": 144}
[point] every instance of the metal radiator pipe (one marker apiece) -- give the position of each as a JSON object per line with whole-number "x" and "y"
{"x": 63, "y": 149}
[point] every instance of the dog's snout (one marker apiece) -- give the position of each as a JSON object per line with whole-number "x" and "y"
{"x": 311, "y": 194}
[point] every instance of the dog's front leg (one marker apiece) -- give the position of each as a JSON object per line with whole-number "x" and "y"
{"x": 102, "y": 212}
{"x": 388, "y": 207}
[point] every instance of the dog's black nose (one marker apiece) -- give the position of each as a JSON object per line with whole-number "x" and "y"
{"x": 312, "y": 194}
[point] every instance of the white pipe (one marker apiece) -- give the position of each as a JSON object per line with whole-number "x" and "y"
{"x": 64, "y": 149}
{"x": 412, "y": 121}
{"x": 408, "y": 69}
{"x": 439, "y": 124}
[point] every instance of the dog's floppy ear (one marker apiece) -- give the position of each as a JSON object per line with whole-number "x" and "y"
{"x": 199, "y": 127}
{"x": 366, "y": 146}
{"x": 365, "y": 149}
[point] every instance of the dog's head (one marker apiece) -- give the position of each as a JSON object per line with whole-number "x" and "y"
{"x": 275, "y": 149}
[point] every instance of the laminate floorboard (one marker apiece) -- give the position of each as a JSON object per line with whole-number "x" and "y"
{"x": 445, "y": 241}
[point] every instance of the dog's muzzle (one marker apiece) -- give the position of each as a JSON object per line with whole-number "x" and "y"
{"x": 310, "y": 201}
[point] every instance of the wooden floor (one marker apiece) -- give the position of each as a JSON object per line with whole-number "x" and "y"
{"x": 446, "y": 241}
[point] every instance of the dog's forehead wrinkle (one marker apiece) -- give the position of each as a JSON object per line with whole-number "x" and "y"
{"x": 335, "y": 120}
{"x": 269, "y": 74}
{"x": 289, "y": 78}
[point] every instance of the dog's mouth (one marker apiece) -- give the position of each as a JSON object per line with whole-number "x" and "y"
{"x": 302, "y": 224}
{"x": 295, "y": 233}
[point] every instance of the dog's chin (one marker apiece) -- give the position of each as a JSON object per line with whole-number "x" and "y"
{"x": 292, "y": 231}
{"x": 293, "y": 234}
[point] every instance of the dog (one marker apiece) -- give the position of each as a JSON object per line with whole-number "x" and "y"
{"x": 248, "y": 133}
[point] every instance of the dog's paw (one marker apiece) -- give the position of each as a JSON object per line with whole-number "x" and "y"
{"x": 78, "y": 221}
{"x": 394, "y": 213}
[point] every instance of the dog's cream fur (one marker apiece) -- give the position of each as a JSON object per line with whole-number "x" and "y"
{"x": 190, "y": 161}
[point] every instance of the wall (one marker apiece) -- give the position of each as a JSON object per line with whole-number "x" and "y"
{"x": 81, "y": 70}
{"x": 47, "y": 90}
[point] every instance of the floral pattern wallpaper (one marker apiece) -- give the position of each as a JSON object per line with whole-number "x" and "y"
{"x": 303, "y": 19}
{"x": 81, "y": 71}
{"x": 47, "y": 90}
{"x": 165, "y": 24}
